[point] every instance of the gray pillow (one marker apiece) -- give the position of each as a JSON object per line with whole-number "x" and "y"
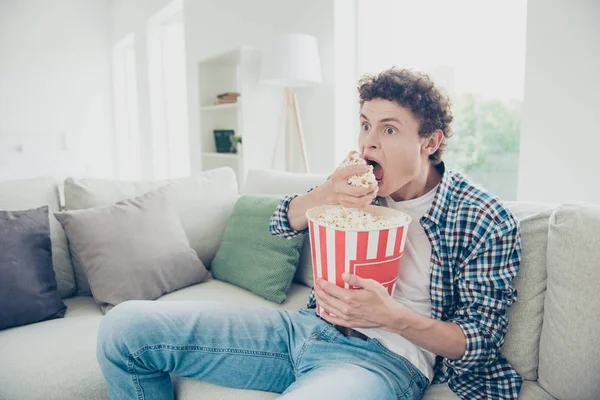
{"x": 203, "y": 215}
{"x": 27, "y": 194}
{"x": 135, "y": 249}
{"x": 28, "y": 291}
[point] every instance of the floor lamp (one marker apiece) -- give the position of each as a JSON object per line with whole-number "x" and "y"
{"x": 291, "y": 61}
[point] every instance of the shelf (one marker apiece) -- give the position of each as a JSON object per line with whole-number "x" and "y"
{"x": 221, "y": 155}
{"x": 220, "y": 107}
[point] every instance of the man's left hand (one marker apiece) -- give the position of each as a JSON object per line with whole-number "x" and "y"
{"x": 368, "y": 307}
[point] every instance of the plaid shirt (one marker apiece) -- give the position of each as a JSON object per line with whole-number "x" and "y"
{"x": 476, "y": 252}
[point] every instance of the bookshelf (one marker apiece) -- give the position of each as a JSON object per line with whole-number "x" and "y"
{"x": 218, "y": 107}
{"x": 253, "y": 117}
{"x": 218, "y": 75}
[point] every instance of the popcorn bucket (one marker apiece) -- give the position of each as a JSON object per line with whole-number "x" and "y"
{"x": 371, "y": 254}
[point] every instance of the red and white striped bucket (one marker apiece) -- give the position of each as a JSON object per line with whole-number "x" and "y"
{"x": 372, "y": 254}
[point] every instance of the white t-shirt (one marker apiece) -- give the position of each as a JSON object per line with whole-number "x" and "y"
{"x": 412, "y": 286}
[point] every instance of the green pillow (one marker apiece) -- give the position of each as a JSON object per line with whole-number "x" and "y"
{"x": 250, "y": 257}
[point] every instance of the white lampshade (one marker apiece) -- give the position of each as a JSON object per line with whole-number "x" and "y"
{"x": 291, "y": 60}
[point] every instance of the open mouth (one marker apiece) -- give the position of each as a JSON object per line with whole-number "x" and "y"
{"x": 377, "y": 169}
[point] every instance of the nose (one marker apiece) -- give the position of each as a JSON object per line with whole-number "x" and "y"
{"x": 369, "y": 140}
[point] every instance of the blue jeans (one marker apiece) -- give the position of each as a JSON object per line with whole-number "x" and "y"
{"x": 291, "y": 352}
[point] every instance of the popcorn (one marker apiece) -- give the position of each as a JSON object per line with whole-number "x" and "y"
{"x": 352, "y": 218}
{"x": 363, "y": 180}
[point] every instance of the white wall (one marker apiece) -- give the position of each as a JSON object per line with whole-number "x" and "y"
{"x": 560, "y": 134}
{"x": 213, "y": 27}
{"x": 132, "y": 16}
{"x": 55, "y": 98}
{"x": 347, "y": 121}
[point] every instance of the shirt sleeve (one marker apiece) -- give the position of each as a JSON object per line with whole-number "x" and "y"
{"x": 279, "y": 224}
{"x": 484, "y": 292}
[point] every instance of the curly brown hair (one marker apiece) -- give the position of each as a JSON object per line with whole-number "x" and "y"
{"x": 417, "y": 92}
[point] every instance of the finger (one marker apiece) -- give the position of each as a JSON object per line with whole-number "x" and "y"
{"x": 350, "y": 323}
{"x": 357, "y": 281}
{"x": 336, "y": 305}
{"x": 353, "y": 202}
{"x": 340, "y": 293}
{"x": 373, "y": 188}
{"x": 350, "y": 154}
{"x": 368, "y": 199}
{"x": 351, "y": 170}
{"x": 319, "y": 291}
{"x": 329, "y": 318}
{"x": 331, "y": 309}
{"x": 335, "y": 320}
{"x": 351, "y": 190}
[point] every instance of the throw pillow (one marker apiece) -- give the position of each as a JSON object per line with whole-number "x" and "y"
{"x": 27, "y": 194}
{"x": 135, "y": 249}
{"x": 250, "y": 257}
{"x": 28, "y": 290}
{"x": 204, "y": 203}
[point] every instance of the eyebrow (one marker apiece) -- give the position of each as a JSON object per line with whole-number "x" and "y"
{"x": 391, "y": 119}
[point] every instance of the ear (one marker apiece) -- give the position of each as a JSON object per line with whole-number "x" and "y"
{"x": 433, "y": 142}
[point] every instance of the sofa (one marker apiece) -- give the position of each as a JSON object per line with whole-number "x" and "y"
{"x": 553, "y": 338}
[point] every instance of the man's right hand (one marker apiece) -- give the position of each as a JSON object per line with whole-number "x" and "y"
{"x": 347, "y": 195}
{"x": 335, "y": 191}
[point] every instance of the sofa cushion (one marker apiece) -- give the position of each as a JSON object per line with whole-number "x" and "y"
{"x": 27, "y": 282}
{"x": 570, "y": 340}
{"x": 82, "y": 306}
{"x": 204, "y": 204}
{"x": 250, "y": 257}
{"x": 135, "y": 249}
{"x": 57, "y": 359}
{"x": 54, "y": 359}
{"x": 189, "y": 389}
{"x": 439, "y": 392}
{"x": 192, "y": 389}
{"x": 521, "y": 346}
{"x": 533, "y": 391}
{"x": 216, "y": 290}
{"x": 33, "y": 193}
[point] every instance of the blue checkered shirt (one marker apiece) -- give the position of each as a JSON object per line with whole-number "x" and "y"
{"x": 476, "y": 253}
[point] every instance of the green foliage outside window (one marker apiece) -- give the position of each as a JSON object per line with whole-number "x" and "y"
{"x": 485, "y": 144}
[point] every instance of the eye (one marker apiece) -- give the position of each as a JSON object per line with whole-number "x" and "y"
{"x": 366, "y": 126}
{"x": 390, "y": 130}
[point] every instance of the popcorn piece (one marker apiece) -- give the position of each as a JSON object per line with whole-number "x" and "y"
{"x": 352, "y": 218}
{"x": 363, "y": 180}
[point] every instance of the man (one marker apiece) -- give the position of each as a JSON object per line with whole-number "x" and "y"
{"x": 445, "y": 323}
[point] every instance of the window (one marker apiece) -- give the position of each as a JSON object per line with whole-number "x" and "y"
{"x": 168, "y": 95}
{"x": 128, "y": 151}
{"x": 475, "y": 50}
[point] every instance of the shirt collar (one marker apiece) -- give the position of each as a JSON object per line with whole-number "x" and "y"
{"x": 441, "y": 201}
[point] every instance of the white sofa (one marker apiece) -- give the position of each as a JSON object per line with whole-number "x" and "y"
{"x": 553, "y": 339}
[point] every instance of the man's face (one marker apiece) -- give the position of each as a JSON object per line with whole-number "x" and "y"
{"x": 389, "y": 140}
